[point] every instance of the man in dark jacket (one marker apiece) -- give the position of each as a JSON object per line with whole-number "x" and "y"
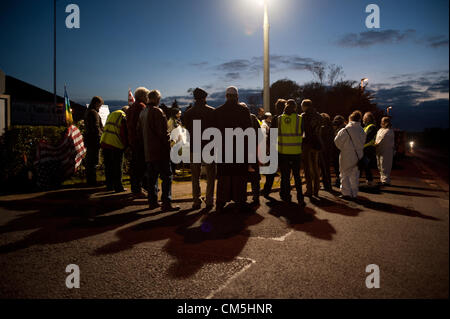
{"x": 94, "y": 130}
{"x": 204, "y": 113}
{"x": 153, "y": 127}
{"x": 312, "y": 146}
{"x": 137, "y": 163}
{"x": 232, "y": 177}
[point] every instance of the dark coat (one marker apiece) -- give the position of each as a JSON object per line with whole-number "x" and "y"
{"x": 93, "y": 128}
{"x": 153, "y": 127}
{"x": 201, "y": 112}
{"x": 232, "y": 115}
{"x": 133, "y": 113}
{"x": 312, "y": 122}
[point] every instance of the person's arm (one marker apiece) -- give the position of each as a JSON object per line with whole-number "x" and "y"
{"x": 161, "y": 128}
{"x": 341, "y": 139}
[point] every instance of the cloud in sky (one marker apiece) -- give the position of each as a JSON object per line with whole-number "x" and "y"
{"x": 371, "y": 38}
{"x": 244, "y": 68}
{"x": 420, "y": 100}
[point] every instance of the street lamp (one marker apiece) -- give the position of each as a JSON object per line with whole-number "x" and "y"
{"x": 364, "y": 83}
{"x": 266, "y": 97}
{"x": 388, "y": 111}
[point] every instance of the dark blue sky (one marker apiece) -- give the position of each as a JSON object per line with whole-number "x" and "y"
{"x": 174, "y": 45}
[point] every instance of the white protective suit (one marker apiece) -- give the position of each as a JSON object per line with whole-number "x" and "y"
{"x": 385, "y": 143}
{"x": 348, "y": 160}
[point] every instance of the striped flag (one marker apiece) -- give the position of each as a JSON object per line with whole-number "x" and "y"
{"x": 130, "y": 98}
{"x": 54, "y": 164}
{"x": 69, "y": 118}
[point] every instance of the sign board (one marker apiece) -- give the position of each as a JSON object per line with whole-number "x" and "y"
{"x": 36, "y": 114}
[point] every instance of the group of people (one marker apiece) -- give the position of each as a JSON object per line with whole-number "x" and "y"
{"x": 306, "y": 139}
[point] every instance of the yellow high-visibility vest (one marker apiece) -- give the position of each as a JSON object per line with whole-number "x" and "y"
{"x": 371, "y": 142}
{"x": 290, "y": 135}
{"x": 111, "y": 131}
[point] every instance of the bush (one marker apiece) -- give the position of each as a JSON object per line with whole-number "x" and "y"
{"x": 18, "y": 148}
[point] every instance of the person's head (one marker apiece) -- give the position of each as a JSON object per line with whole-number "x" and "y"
{"x": 125, "y": 108}
{"x": 326, "y": 119}
{"x": 141, "y": 95}
{"x": 386, "y": 122}
{"x": 232, "y": 94}
{"x": 355, "y": 116}
{"x": 307, "y": 105}
{"x": 291, "y": 107}
{"x": 261, "y": 112}
{"x": 339, "y": 121}
{"x": 154, "y": 97}
{"x": 279, "y": 106}
{"x": 268, "y": 117}
{"x": 200, "y": 95}
{"x": 178, "y": 114}
{"x": 368, "y": 118}
{"x": 96, "y": 103}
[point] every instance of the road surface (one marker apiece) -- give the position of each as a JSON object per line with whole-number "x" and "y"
{"x": 128, "y": 251}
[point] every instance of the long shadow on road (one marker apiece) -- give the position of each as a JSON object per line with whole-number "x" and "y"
{"x": 303, "y": 220}
{"x": 60, "y": 217}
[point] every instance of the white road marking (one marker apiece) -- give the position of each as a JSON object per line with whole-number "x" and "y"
{"x": 222, "y": 287}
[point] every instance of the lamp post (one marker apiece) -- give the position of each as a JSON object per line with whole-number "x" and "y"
{"x": 388, "y": 111}
{"x": 54, "y": 53}
{"x": 364, "y": 83}
{"x": 266, "y": 96}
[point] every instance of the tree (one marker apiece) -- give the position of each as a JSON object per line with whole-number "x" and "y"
{"x": 318, "y": 69}
{"x": 283, "y": 89}
{"x": 175, "y": 104}
{"x": 335, "y": 73}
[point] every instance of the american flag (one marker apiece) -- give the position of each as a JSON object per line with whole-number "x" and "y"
{"x": 56, "y": 163}
{"x": 130, "y": 98}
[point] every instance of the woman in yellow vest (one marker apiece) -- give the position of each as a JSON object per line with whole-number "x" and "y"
{"x": 114, "y": 140}
{"x": 290, "y": 137}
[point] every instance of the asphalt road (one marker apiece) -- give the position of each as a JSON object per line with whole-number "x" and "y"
{"x": 279, "y": 252}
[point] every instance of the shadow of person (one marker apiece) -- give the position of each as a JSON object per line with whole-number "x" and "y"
{"x": 153, "y": 230}
{"x": 56, "y": 217}
{"x": 392, "y": 209}
{"x": 403, "y": 193}
{"x": 336, "y": 207}
{"x": 218, "y": 238}
{"x": 303, "y": 219}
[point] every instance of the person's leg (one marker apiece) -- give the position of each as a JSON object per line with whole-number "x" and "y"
{"x": 387, "y": 164}
{"x": 285, "y": 171}
{"x": 307, "y": 160}
{"x": 255, "y": 182}
{"x": 346, "y": 189}
{"x": 108, "y": 163}
{"x": 165, "y": 172}
{"x": 210, "y": 181}
{"x": 355, "y": 182}
{"x": 152, "y": 174}
{"x": 223, "y": 185}
{"x": 92, "y": 157}
{"x": 336, "y": 171}
{"x": 196, "y": 191}
{"x": 296, "y": 165}
{"x": 268, "y": 184}
{"x": 135, "y": 176}
{"x": 117, "y": 170}
{"x": 316, "y": 173}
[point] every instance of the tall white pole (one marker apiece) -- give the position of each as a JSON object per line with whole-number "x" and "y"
{"x": 266, "y": 59}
